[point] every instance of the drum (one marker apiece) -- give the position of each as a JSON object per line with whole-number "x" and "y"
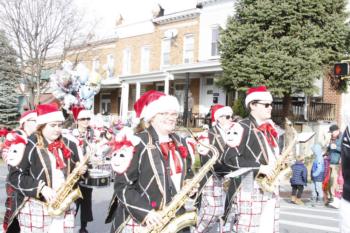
{"x": 106, "y": 166}
{"x": 97, "y": 178}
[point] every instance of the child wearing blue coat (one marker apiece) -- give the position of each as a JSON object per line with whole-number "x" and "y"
{"x": 317, "y": 175}
{"x": 298, "y": 180}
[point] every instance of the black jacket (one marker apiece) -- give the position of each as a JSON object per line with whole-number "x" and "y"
{"x": 34, "y": 171}
{"x": 145, "y": 184}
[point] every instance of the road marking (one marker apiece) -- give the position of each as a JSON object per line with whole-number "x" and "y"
{"x": 310, "y": 226}
{"x": 311, "y": 216}
{"x": 324, "y": 210}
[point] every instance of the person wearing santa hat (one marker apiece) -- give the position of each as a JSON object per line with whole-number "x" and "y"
{"x": 255, "y": 146}
{"x": 153, "y": 172}
{"x": 47, "y": 161}
{"x": 12, "y": 154}
{"x": 85, "y": 135}
{"x": 212, "y": 198}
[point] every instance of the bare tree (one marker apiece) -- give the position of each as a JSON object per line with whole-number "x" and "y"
{"x": 37, "y": 28}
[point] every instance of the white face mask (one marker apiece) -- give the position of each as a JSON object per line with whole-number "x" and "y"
{"x": 121, "y": 159}
{"x": 234, "y": 135}
{"x": 15, "y": 154}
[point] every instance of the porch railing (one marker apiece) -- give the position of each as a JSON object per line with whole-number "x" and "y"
{"x": 321, "y": 111}
{"x": 315, "y": 112}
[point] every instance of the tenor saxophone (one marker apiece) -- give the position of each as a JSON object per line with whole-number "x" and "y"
{"x": 269, "y": 184}
{"x": 170, "y": 222}
{"x": 66, "y": 194}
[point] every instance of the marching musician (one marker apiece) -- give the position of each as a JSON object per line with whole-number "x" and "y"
{"x": 12, "y": 154}
{"x": 85, "y": 135}
{"x": 152, "y": 171}
{"x": 255, "y": 147}
{"x": 213, "y": 195}
{"x": 47, "y": 161}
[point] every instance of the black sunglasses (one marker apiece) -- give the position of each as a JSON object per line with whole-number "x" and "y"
{"x": 85, "y": 119}
{"x": 267, "y": 105}
{"x": 228, "y": 117}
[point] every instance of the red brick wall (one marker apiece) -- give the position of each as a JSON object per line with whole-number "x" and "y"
{"x": 333, "y": 97}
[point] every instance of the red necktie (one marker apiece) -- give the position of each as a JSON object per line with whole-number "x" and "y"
{"x": 270, "y": 133}
{"x": 53, "y": 148}
{"x": 165, "y": 147}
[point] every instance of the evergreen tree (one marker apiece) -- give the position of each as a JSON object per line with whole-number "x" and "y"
{"x": 284, "y": 45}
{"x": 9, "y": 81}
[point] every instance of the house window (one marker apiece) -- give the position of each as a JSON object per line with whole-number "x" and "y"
{"x": 188, "y": 49}
{"x": 126, "y": 61}
{"x": 95, "y": 64}
{"x": 106, "y": 104}
{"x": 166, "y": 52}
{"x": 160, "y": 87}
{"x": 110, "y": 65}
{"x": 145, "y": 57}
{"x": 215, "y": 41}
{"x": 209, "y": 81}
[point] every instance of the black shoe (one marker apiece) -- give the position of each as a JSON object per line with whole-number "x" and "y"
{"x": 83, "y": 231}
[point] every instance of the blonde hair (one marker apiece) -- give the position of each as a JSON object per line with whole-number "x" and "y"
{"x": 141, "y": 126}
{"x": 300, "y": 158}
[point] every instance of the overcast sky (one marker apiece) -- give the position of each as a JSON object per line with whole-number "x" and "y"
{"x": 106, "y": 11}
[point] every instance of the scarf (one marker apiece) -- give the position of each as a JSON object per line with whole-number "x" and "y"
{"x": 270, "y": 133}
{"x": 54, "y": 147}
{"x": 165, "y": 147}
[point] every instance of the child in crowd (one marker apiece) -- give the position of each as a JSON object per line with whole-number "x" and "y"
{"x": 317, "y": 175}
{"x": 298, "y": 180}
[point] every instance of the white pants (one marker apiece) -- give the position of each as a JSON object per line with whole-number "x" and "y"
{"x": 344, "y": 213}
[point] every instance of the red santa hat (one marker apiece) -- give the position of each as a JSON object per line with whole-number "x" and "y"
{"x": 258, "y": 93}
{"x": 31, "y": 114}
{"x": 80, "y": 112}
{"x": 14, "y": 138}
{"x": 153, "y": 102}
{"x": 219, "y": 110}
{"x": 48, "y": 113}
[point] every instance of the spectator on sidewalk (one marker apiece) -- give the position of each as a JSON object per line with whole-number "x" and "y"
{"x": 298, "y": 180}
{"x": 333, "y": 149}
{"x": 317, "y": 175}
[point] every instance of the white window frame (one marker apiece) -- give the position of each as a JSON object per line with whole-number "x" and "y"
{"x": 188, "y": 49}
{"x": 166, "y": 48}
{"x": 126, "y": 61}
{"x": 214, "y": 51}
{"x": 145, "y": 58}
{"x": 95, "y": 65}
{"x": 110, "y": 65}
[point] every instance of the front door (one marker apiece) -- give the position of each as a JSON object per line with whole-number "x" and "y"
{"x": 210, "y": 94}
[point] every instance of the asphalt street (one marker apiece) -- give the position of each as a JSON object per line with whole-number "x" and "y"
{"x": 293, "y": 218}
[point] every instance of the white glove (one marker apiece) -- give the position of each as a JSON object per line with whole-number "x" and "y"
{"x": 48, "y": 193}
{"x": 83, "y": 170}
{"x": 153, "y": 219}
{"x": 268, "y": 170}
